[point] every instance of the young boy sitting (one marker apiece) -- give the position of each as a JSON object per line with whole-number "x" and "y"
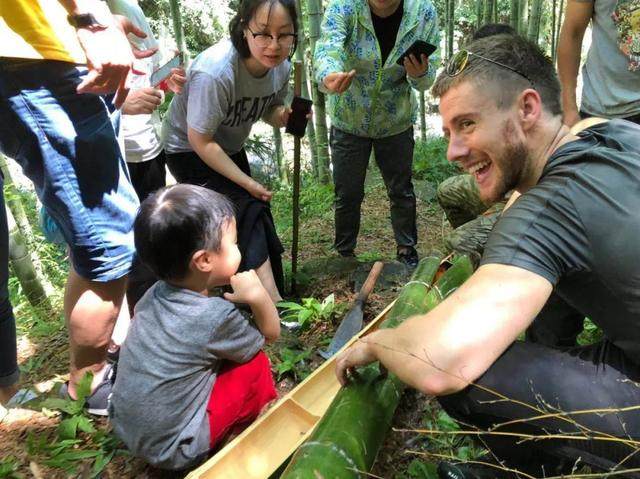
{"x": 191, "y": 370}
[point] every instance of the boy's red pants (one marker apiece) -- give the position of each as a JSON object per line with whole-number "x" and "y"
{"x": 238, "y": 395}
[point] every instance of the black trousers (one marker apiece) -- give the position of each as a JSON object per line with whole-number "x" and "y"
{"x": 257, "y": 236}
{"x": 9, "y": 372}
{"x": 350, "y": 157}
{"x": 537, "y": 390}
{"x": 146, "y": 177}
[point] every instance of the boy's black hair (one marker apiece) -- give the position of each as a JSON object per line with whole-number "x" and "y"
{"x": 489, "y": 29}
{"x": 175, "y": 222}
{"x": 246, "y": 11}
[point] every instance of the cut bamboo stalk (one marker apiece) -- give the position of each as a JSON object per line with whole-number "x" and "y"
{"x": 346, "y": 441}
{"x": 255, "y": 453}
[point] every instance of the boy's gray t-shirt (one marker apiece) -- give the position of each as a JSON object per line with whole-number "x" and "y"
{"x": 167, "y": 368}
{"x": 611, "y": 74}
{"x": 222, "y": 99}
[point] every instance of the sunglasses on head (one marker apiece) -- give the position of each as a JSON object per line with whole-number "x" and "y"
{"x": 458, "y": 63}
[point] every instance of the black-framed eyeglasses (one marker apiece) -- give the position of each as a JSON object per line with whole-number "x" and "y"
{"x": 263, "y": 40}
{"x": 458, "y": 63}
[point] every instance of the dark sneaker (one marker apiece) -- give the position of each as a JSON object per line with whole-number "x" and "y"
{"x": 347, "y": 254}
{"x": 98, "y": 402}
{"x": 448, "y": 470}
{"x": 408, "y": 255}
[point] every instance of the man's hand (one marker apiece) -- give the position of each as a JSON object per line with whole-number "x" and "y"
{"x": 416, "y": 68}
{"x": 109, "y": 58}
{"x": 143, "y": 101}
{"x": 258, "y": 191}
{"x": 338, "y": 82}
{"x": 177, "y": 80}
{"x": 247, "y": 288}
{"x": 360, "y": 354}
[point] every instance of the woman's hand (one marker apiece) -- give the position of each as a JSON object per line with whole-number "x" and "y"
{"x": 258, "y": 191}
{"x": 338, "y": 82}
{"x": 416, "y": 68}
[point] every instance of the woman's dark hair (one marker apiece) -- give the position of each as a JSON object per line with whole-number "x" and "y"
{"x": 175, "y": 222}
{"x": 246, "y": 11}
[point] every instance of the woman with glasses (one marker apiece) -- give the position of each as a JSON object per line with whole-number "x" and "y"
{"x": 230, "y": 86}
{"x": 360, "y": 61}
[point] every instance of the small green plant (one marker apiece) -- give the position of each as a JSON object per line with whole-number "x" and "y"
{"x": 418, "y": 469}
{"x": 292, "y": 361}
{"x": 430, "y": 161}
{"x": 310, "y": 311}
{"x": 9, "y": 468}
{"x": 462, "y": 447}
{"x": 66, "y": 451}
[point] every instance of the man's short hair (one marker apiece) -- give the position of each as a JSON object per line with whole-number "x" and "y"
{"x": 175, "y": 222}
{"x": 516, "y": 52}
{"x": 490, "y": 29}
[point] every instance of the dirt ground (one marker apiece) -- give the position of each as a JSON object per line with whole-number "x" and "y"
{"x": 47, "y": 360}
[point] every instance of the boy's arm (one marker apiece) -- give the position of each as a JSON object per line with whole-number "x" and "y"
{"x": 247, "y": 288}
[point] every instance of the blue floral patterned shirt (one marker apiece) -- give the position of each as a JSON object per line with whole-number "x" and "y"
{"x": 380, "y": 101}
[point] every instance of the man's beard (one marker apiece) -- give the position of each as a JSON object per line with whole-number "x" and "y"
{"x": 511, "y": 165}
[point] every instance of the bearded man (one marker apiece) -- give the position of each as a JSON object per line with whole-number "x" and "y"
{"x": 573, "y": 232}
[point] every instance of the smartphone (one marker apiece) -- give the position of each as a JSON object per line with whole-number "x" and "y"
{"x": 300, "y": 108}
{"x": 165, "y": 70}
{"x": 418, "y": 48}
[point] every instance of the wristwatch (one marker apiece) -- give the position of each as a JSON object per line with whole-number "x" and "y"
{"x": 85, "y": 20}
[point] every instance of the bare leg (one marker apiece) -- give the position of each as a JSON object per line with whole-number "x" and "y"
{"x": 91, "y": 309}
{"x": 265, "y": 273}
{"x": 123, "y": 322}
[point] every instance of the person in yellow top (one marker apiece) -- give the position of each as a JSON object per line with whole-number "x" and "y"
{"x": 56, "y": 59}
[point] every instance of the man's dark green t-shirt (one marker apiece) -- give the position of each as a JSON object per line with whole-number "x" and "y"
{"x": 579, "y": 228}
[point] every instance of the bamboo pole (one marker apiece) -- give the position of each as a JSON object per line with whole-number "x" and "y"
{"x": 297, "y": 86}
{"x": 178, "y": 31}
{"x": 347, "y": 439}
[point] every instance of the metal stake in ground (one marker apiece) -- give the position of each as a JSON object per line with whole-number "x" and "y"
{"x": 297, "y": 86}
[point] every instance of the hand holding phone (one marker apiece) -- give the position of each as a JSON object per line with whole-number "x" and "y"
{"x": 300, "y": 108}
{"x": 164, "y": 71}
{"x": 418, "y": 48}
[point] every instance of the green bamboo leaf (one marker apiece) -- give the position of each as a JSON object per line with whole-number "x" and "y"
{"x": 85, "y": 425}
{"x": 68, "y": 428}
{"x": 83, "y": 388}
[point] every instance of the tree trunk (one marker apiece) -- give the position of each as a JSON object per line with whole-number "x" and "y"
{"x": 479, "y": 13}
{"x": 178, "y": 31}
{"x": 487, "y": 16}
{"x": 423, "y": 117}
{"x": 523, "y": 18}
{"x": 495, "y": 11}
{"x": 23, "y": 267}
{"x": 450, "y": 4}
{"x": 558, "y": 25}
{"x": 311, "y": 131}
{"x": 319, "y": 114}
{"x": 25, "y": 230}
{"x": 533, "y": 31}
{"x": 553, "y": 30}
{"x": 514, "y": 11}
{"x": 347, "y": 439}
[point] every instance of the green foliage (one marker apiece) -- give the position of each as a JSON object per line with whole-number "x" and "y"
{"x": 8, "y": 468}
{"x": 292, "y": 361}
{"x": 430, "y": 161}
{"x": 316, "y": 202}
{"x": 310, "y": 311}
{"x": 418, "y": 469}
{"x": 590, "y": 334}
{"x": 75, "y": 431}
{"x": 462, "y": 447}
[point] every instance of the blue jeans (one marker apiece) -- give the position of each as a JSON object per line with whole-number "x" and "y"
{"x": 66, "y": 144}
{"x": 350, "y": 157}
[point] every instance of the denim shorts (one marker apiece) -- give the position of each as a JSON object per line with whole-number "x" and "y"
{"x": 66, "y": 144}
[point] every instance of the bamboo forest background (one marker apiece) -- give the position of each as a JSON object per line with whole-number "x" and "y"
{"x": 205, "y": 22}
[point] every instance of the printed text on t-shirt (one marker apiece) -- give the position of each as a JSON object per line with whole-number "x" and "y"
{"x": 247, "y": 109}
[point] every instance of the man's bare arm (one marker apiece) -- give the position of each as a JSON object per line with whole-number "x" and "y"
{"x": 441, "y": 352}
{"x": 577, "y": 17}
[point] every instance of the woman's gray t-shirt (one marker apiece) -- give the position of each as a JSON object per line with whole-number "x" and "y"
{"x": 222, "y": 99}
